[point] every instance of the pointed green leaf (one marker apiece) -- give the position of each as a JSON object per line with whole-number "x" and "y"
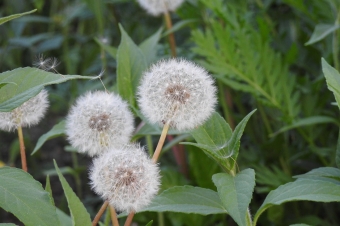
{"x": 57, "y": 131}
{"x": 150, "y": 223}
{"x": 332, "y": 79}
{"x": 131, "y": 63}
{"x": 187, "y": 199}
{"x": 321, "y": 31}
{"x": 23, "y": 196}
{"x": 109, "y": 49}
{"x": 236, "y": 193}
{"x": 149, "y": 46}
{"x": 11, "y": 17}
{"x": 49, "y": 189}
{"x": 26, "y": 83}
{"x": 79, "y": 214}
{"x": 319, "y": 185}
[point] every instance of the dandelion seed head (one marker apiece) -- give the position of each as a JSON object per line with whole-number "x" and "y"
{"x": 26, "y": 115}
{"x": 98, "y": 122}
{"x": 126, "y": 177}
{"x": 157, "y": 7}
{"x": 177, "y": 91}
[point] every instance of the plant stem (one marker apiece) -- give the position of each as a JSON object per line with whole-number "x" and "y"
{"x": 161, "y": 142}
{"x": 22, "y": 149}
{"x": 160, "y": 219}
{"x": 224, "y": 104}
{"x": 129, "y": 219}
{"x": 248, "y": 218}
{"x": 100, "y": 213}
{"x": 171, "y": 36}
{"x": 149, "y": 143}
{"x": 114, "y": 216}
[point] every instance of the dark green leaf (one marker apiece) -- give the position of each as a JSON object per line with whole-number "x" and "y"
{"x": 57, "y": 131}
{"x": 29, "y": 82}
{"x": 187, "y": 199}
{"x": 332, "y": 79}
{"x": 236, "y": 193}
{"x": 23, "y": 196}
{"x": 150, "y": 223}
{"x": 11, "y": 17}
{"x": 131, "y": 63}
{"x": 321, "y": 31}
{"x": 337, "y": 157}
{"x": 79, "y": 214}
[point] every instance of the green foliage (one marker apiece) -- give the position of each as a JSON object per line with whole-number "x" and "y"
{"x": 187, "y": 199}
{"x": 236, "y": 193}
{"x": 28, "y": 200}
{"x": 79, "y": 214}
{"x": 332, "y": 79}
{"x": 14, "y": 16}
{"x": 321, "y": 31}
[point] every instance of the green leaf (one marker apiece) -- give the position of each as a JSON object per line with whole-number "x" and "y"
{"x": 150, "y": 223}
{"x": 337, "y": 157}
{"x": 307, "y": 122}
{"x": 2, "y": 84}
{"x": 109, "y": 49}
{"x": 11, "y": 17}
{"x": 178, "y": 26}
{"x": 79, "y": 214}
{"x": 319, "y": 185}
{"x": 23, "y": 196}
{"x": 332, "y": 79}
{"x": 187, "y": 199}
{"x": 131, "y": 63}
{"x": 7, "y": 224}
{"x": 49, "y": 189}
{"x": 236, "y": 192}
{"x": 57, "y": 131}
{"x": 149, "y": 46}
{"x": 321, "y": 31}
{"x": 29, "y": 82}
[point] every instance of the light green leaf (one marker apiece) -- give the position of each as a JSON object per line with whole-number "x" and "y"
{"x": 49, "y": 189}
{"x": 109, "y": 49}
{"x": 79, "y": 214}
{"x": 149, "y": 46}
{"x": 319, "y": 185}
{"x": 150, "y": 223}
{"x": 307, "y": 122}
{"x": 187, "y": 199}
{"x": 23, "y": 196}
{"x": 29, "y": 82}
{"x": 321, "y": 31}
{"x": 236, "y": 192}
{"x": 11, "y": 17}
{"x": 2, "y": 84}
{"x": 57, "y": 131}
{"x": 131, "y": 63}
{"x": 332, "y": 79}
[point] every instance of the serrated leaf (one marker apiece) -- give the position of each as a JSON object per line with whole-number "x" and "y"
{"x": 29, "y": 82}
{"x": 187, "y": 199}
{"x": 131, "y": 63}
{"x": 23, "y": 196}
{"x": 307, "y": 188}
{"x": 79, "y": 214}
{"x": 321, "y": 31}
{"x": 57, "y": 131}
{"x": 109, "y": 49}
{"x": 332, "y": 79}
{"x": 11, "y": 17}
{"x": 149, "y": 46}
{"x": 313, "y": 120}
{"x": 236, "y": 193}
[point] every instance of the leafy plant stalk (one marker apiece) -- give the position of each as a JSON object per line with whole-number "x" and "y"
{"x": 22, "y": 149}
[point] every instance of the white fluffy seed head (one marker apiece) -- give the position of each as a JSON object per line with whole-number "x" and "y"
{"x": 177, "y": 91}
{"x": 28, "y": 114}
{"x": 157, "y": 7}
{"x": 98, "y": 122}
{"x": 126, "y": 177}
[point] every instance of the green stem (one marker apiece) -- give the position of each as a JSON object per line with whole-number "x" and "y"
{"x": 223, "y": 101}
{"x": 149, "y": 144}
{"x": 160, "y": 219}
{"x": 76, "y": 175}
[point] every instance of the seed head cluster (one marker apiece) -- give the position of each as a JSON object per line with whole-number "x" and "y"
{"x": 127, "y": 178}
{"x": 177, "y": 91}
{"x": 157, "y": 7}
{"x": 99, "y": 121}
{"x": 28, "y": 114}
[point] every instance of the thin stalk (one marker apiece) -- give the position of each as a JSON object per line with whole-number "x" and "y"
{"x": 248, "y": 218}
{"x": 100, "y": 213}
{"x": 225, "y": 107}
{"x": 76, "y": 175}
{"x": 160, "y": 219}
{"x": 161, "y": 142}
{"x": 114, "y": 216}
{"x": 149, "y": 144}
{"x": 336, "y": 44}
{"x": 22, "y": 149}
{"x": 129, "y": 219}
{"x": 265, "y": 119}
{"x": 107, "y": 218}
{"x": 171, "y": 36}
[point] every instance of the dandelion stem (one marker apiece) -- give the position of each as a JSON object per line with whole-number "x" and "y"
{"x": 114, "y": 216}
{"x": 161, "y": 142}
{"x": 100, "y": 213}
{"x": 129, "y": 219}
{"x": 22, "y": 149}
{"x": 171, "y": 36}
